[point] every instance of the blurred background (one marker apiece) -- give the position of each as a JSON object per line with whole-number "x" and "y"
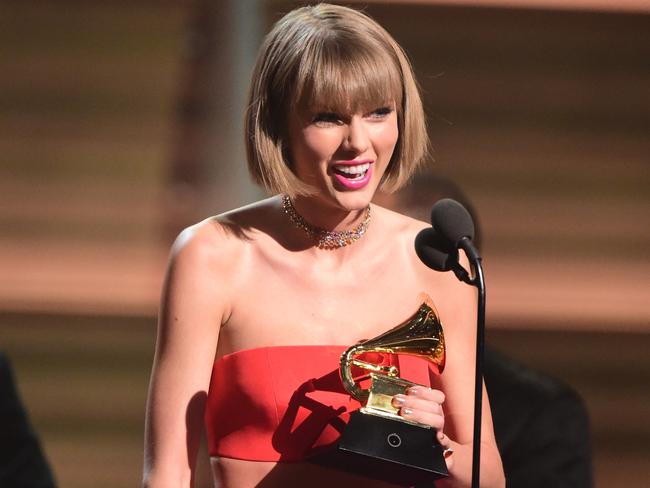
{"x": 120, "y": 123}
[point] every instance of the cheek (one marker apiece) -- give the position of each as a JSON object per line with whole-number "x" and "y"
{"x": 309, "y": 149}
{"x": 386, "y": 139}
{"x": 320, "y": 144}
{"x": 315, "y": 148}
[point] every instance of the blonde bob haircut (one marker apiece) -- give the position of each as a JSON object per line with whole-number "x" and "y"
{"x": 329, "y": 58}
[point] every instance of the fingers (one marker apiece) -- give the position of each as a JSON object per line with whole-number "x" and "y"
{"x": 436, "y": 421}
{"x": 448, "y": 448}
{"x": 426, "y": 394}
{"x": 422, "y": 405}
{"x": 405, "y": 401}
{"x": 445, "y": 442}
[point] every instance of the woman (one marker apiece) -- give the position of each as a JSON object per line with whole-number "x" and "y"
{"x": 259, "y": 298}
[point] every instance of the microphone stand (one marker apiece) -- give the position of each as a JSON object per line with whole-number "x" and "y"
{"x": 478, "y": 281}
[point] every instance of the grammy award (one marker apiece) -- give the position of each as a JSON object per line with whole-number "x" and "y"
{"x": 378, "y": 442}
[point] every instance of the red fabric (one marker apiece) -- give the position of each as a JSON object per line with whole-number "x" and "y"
{"x": 284, "y": 403}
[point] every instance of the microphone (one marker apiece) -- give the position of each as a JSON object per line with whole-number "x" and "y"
{"x": 452, "y": 220}
{"x": 455, "y": 224}
{"x": 437, "y": 247}
{"x": 435, "y": 251}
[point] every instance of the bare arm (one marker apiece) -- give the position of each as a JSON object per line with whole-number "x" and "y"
{"x": 193, "y": 307}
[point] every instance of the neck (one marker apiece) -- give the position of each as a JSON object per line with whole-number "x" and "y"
{"x": 329, "y": 227}
{"x": 328, "y": 217}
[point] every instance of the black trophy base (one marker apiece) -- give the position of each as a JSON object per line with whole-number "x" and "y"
{"x": 389, "y": 450}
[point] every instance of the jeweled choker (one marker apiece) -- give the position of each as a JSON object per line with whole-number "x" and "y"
{"x": 325, "y": 239}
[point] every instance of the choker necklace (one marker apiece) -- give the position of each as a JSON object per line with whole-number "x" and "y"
{"x": 325, "y": 239}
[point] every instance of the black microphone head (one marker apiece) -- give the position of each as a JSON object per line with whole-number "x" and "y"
{"x": 452, "y": 221}
{"x": 434, "y": 251}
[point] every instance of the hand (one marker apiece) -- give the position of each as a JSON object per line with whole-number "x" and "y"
{"x": 423, "y": 405}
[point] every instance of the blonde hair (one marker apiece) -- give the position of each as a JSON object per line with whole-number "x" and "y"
{"x": 330, "y": 58}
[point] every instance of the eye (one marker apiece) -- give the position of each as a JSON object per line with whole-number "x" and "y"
{"x": 380, "y": 113}
{"x": 327, "y": 118}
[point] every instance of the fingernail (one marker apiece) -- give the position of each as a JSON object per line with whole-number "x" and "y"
{"x": 406, "y": 411}
{"x": 398, "y": 400}
{"x": 413, "y": 390}
{"x": 448, "y": 452}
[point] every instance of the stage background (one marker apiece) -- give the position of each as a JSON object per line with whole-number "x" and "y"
{"x": 118, "y": 127}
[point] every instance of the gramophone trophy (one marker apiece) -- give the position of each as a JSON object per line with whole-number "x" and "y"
{"x": 377, "y": 441}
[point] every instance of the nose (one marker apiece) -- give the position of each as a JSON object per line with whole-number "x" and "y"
{"x": 357, "y": 139}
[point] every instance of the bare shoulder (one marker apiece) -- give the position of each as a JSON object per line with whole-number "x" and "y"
{"x": 220, "y": 240}
{"x": 202, "y": 248}
{"x": 209, "y": 259}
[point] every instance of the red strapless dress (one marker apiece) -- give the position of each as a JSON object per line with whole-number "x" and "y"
{"x": 285, "y": 403}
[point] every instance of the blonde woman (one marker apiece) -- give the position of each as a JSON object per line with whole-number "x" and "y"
{"x": 260, "y": 302}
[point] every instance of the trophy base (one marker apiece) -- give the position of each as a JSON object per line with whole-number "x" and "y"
{"x": 390, "y": 450}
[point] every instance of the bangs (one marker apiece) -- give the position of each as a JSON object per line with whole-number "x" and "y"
{"x": 348, "y": 79}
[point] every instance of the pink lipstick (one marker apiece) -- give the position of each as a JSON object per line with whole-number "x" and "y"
{"x": 352, "y": 174}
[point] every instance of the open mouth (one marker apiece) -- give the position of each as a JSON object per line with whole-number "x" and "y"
{"x": 354, "y": 173}
{"x": 353, "y": 176}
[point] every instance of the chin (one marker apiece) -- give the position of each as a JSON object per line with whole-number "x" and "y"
{"x": 355, "y": 200}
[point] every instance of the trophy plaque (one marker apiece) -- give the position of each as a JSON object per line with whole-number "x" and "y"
{"x": 378, "y": 442}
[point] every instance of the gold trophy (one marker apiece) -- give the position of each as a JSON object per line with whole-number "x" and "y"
{"x": 377, "y": 441}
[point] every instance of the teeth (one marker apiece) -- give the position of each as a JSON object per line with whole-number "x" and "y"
{"x": 356, "y": 170}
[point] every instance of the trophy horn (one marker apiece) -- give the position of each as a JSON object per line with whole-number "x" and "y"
{"x": 420, "y": 336}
